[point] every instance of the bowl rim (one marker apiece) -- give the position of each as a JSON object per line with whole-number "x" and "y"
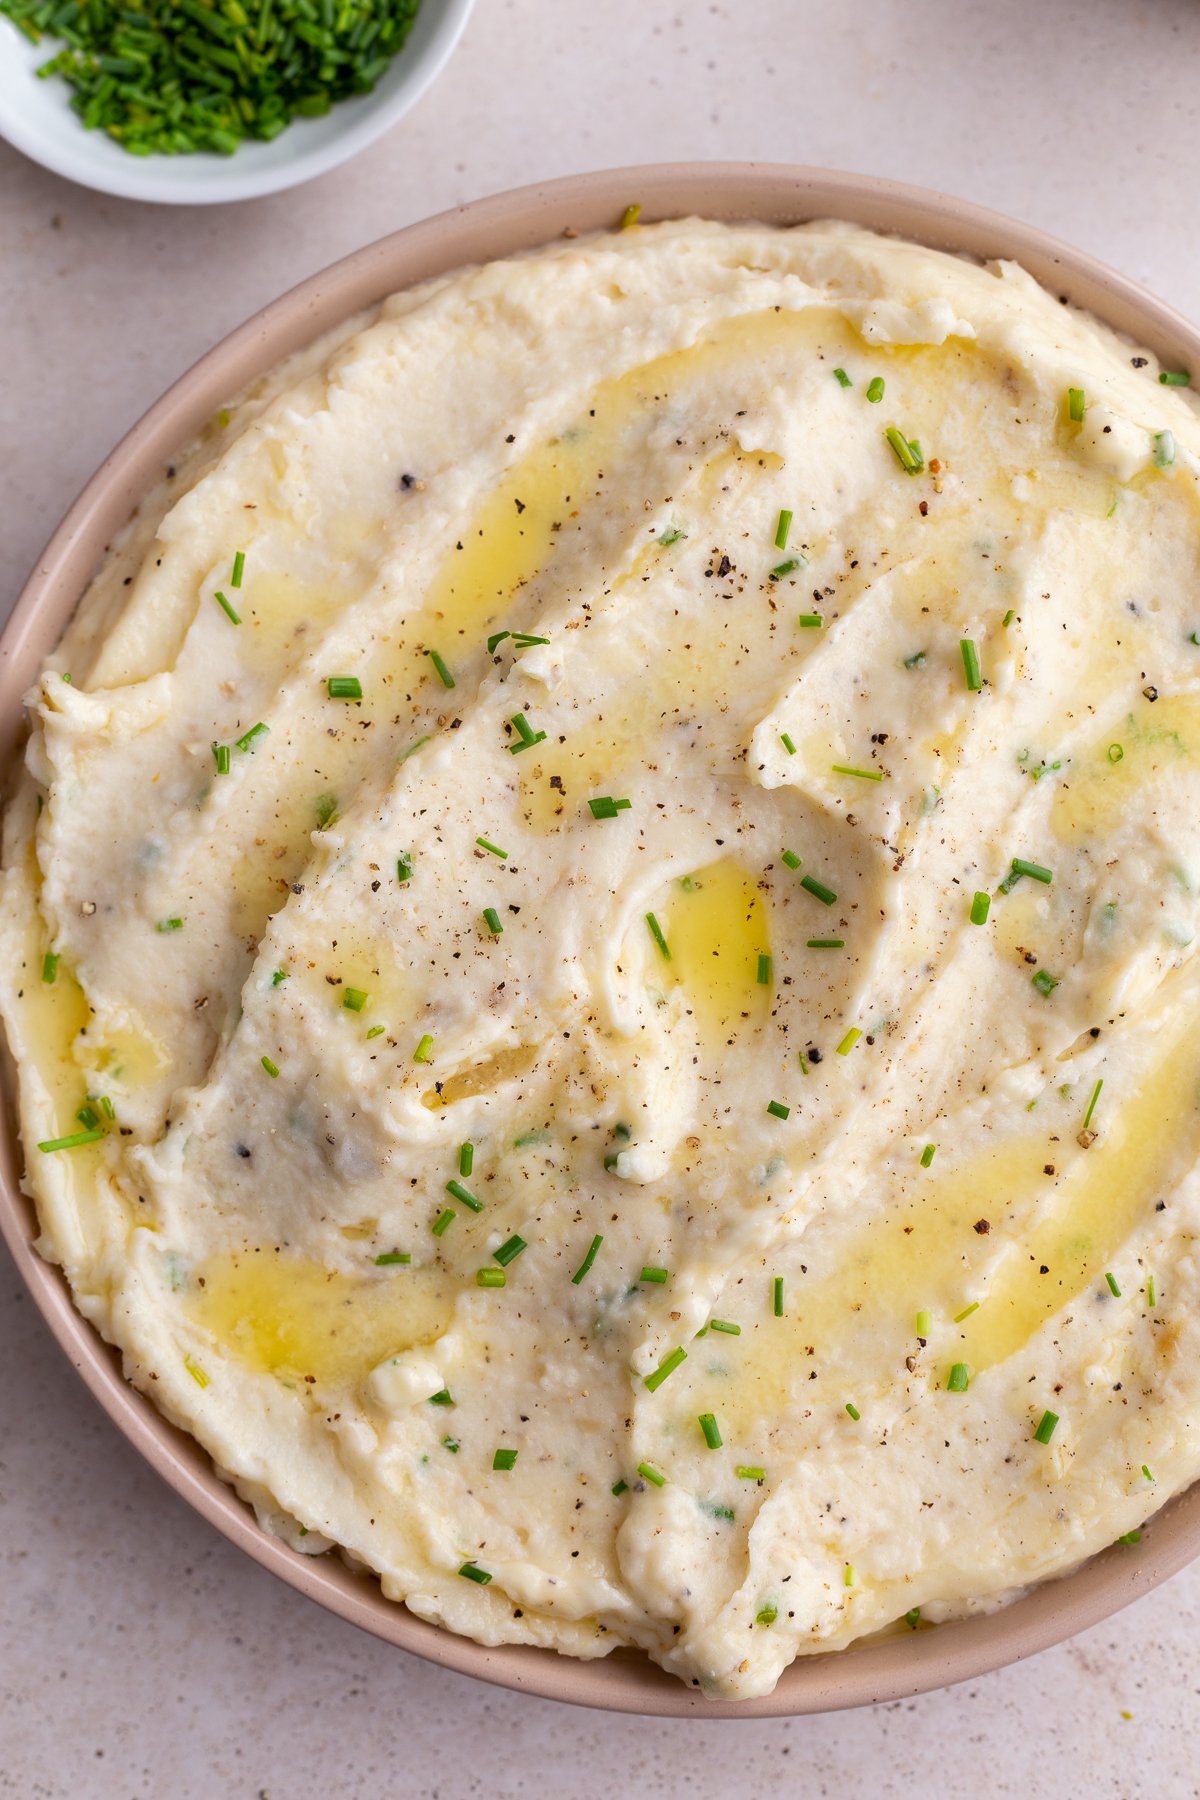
{"x": 417, "y": 67}
{"x": 885, "y": 1668}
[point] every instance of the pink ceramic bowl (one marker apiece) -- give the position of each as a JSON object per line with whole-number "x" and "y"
{"x": 887, "y": 1668}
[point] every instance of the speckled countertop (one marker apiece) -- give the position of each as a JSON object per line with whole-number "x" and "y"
{"x": 140, "y": 1655}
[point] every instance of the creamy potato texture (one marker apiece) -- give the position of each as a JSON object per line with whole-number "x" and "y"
{"x": 558, "y": 1126}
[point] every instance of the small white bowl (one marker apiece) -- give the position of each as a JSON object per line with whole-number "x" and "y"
{"x": 36, "y": 117}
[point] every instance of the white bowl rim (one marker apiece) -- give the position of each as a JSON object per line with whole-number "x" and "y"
{"x": 416, "y": 67}
{"x": 887, "y": 1668}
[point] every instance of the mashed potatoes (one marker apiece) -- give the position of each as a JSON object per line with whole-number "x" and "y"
{"x": 604, "y": 901}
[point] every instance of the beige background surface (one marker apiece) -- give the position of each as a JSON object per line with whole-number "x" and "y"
{"x": 142, "y": 1656}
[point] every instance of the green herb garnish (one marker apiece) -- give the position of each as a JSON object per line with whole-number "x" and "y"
{"x": 981, "y": 905}
{"x": 344, "y": 687}
{"x": 444, "y": 675}
{"x": 227, "y": 608}
{"x": 970, "y": 657}
{"x": 711, "y": 1430}
{"x": 605, "y": 807}
{"x": 782, "y": 529}
{"x": 491, "y": 919}
{"x": 959, "y": 1378}
{"x": 778, "y": 1110}
{"x": 666, "y": 1367}
{"x": 875, "y": 390}
{"x": 588, "y": 1260}
{"x": 656, "y": 932}
{"x": 1045, "y": 1430}
{"x": 504, "y": 1459}
{"x": 74, "y": 1141}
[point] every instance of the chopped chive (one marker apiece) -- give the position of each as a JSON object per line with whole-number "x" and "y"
{"x": 824, "y": 944}
{"x": 411, "y": 749}
{"x": 924, "y": 1324}
{"x": 787, "y": 567}
{"x": 271, "y": 1068}
{"x": 791, "y": 859}
{"x": 711, "y": 1430}
{"x": 354, "y": 999}
{"x": 782, "y": 529}
{"x": 473, "y": 1572}
{"x": 255, "y": 731}
{"x": 504, "y": 1459}
{"x": 620, "y": 1487}
{"x": 777, "y": 1296}
{"x": 404, "y": 868}
{"x": 853, "y": 1411}
{"x": 227, "y": 608}
{"x": 1008, "y": 618}
{"x": 175, "y": 924}
{"x": 49, "y": 967}
{"x": 848, "y": 1042}
{"x": 630, "y": 216}
{"x": 725, "y": 1325}
{"x": 424, "y": 1049}
{"x": 672, "y": 535}
{"x": 221, "y": 758}
{"x": 239, "y": 564}
{"x": 88, "y": 1118}
{"x": 916, "y": 660}
{"x": 750, "y": 1472}
{"x": 764, "y": 969}
{"x": 344, "y": 687}
{"x": 656, "y": 1275}
{"x": 912, "y": 1617}
{"x": 1115, "y": 753}
{"x": 509, "y": 1250}
{"x": 466, "y": 1158}
{"x": 491, "y": 919}
{"x": 666, "y": 1367}
{"x": 966, "y": 1312}
{"x": 444, "y": 675}
{"x": 1087, "y": 1117}
{"x": 392, "y": 1256}
{"x": 376, "y": 1031}
{"x": 588, "y": 1260}
{"x": 605, "y": 807}
{"x": 656, "y": 932}
{"x": 1130, "y": 1537}
{"x": 777, "y": 1109}
{"x": 452, "y": 1445}
{"x": 850, "y": 1576}
{"x": 1164, "y": 448}
{"x": 907, "y": 450}
{"x": 443, "y": 1397}
{"x": 490, "y": 1278}
{"x": 1045, "y": 1430}
{"x": 464, "y": 1195}
{"x": 1113, "y": 1284}
{"x": 198, "y": 1375}
{"x": 525, "y": 732}
{"x": 787, "y": 743}
{"x": 494, "y": 848}
{"x": 496, "y": 639}
{"x": 818, "y": 890}
{"x": 970, "y": 657}
{"x": 1151, "y": 1297}
{"x": 110, "y": 1113}
{"x": 443, "y": 1221}
{"x": 981, "y": 905}
{"x": 875, "y": 390}
{"x": 927, "y": 1155}
{"x": 1146, "y": 1472}
{"x": 959, "y": 1378}
{"x": 1035, "y": 871}
{"x": 1076, "y": 405}
{"x": 766, "y": 1615}
{"x": 811, "y": 621}
{"x": 842, "y": 379}
{"x": 279, "y": 977}
{"x": 75, "y": 1141}
{"x": 863, "y": 774}
{"x": 1044, "y": 982}
{"x": 1174, "y": 378}
{"x": 649, "y": 1473}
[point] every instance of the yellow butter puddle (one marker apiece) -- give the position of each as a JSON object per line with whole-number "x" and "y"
{"x": 716, "y": 928}
{"x": 852, "y": 1315}
{"x": 1111, "y": 773}
{"x": 283, "y": 1315}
